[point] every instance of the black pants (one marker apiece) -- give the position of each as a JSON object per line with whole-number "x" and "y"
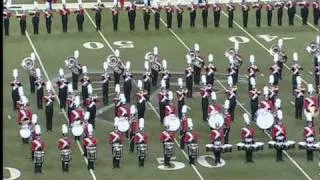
{"x": 193, "y": 15}
{"x": 179, "y": 19}
{"x": 197, "y": 74}
{"x": 32, "y": 80}
{"x": 132, "y": 18}
{"x": 276, "y": 78}
{"x": 216, "y": 17}
{"x": 205, "y": 17}
{"x": 141, "y": 161}
{"x": 291, "y": 17}
{"x": 115, "y": 22}
{"x": 309, "y": 155}
{"x": 189, "y": 83}
{"x": 65, "y": 166}
{"x": 226, "y": 132}
{"x": 80, "y": 20}
{"x": 97, "y": 18}
{"x": 279, "y": 155}
{"x": 116, "y": 78}
{"x": 169, "y": 19}
{"x": 157, "y": 20}
{"x": 280, "y": 12}
{"x": 146, "y": 20}
{"x": 92, "y": 117}
{"x": 245, "y": 15}
{"x": 90, "y": 165}
{"x": 258, "y": 18}
{"x": 154, "y": 77}
{"x": 298, "y": 107}
{"x": 254, "y": 107}
{"x": 147, "y": 87}
{"x": 127, "y": 90}
{"x": 166, "y": 160}
{"x": 217, "y": 157}
{"x": 63, "y": 93}
{"x": 280, "y": 64}
{"x": 230, "y": 19}
{"x": 48, "y": 24}
{"x": 233, "y": 104}
{"x": 304, "y": 14}
{"x": 191, "y": 160}
{"x": 269, "y": 17}
{"x": 15, "y": 97}
{"x": 40, "y": 98}
{"x": 316, "y": 14}
{"x": 131, "y": 137}
{"x": 182, "y": 143}
{"x": 249, "y": 156}
{"x": 64, "y": 19}
{"x": 35, "y": 23}
{"x": 204, "y": 104}
{"x": 180, "y": 104}
{"x": 141, "y": 109}
{"x": 84, "y": 93}
{"x": 116, "y": 163}
{"x": 23, "y": 27}
{"x": 105, "y": 92}
{"x": 49, "y": 115}
{"x": 75, "y": 81}
{"x": 210, "y": 79}
{"x": 162, "y": 106}
{"x": 6, "y": 23}
{"x": 37, "y": 168}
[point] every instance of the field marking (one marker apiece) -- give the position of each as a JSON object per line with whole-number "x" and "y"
{"x": 309, "y": 24}
{"x": 152, "y": 107}
{"x": 253, "y": 38}
{"x": 309, "y": 72}
{"x": 63, "y": 111}
{"x": 292, "y": 102}
{"x": 104, "y": 108}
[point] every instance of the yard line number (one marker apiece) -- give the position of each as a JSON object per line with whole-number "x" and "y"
{"x": 13, "y": 173}
{"x": 93, "y": 45}
{"x": 123, "y": 44}
{"x": 265, "y": 37}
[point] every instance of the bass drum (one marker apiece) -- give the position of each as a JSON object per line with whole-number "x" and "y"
{"x": 265, "y": 119}
{"x": 77, "y": 129}
{"x": 172, "y": 121}
{"x": 123, "y": 125}
{"x": 25, "y": 131}
{"x": 214, "y": 119}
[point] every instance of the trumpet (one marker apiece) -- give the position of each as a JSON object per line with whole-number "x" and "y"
{"x": 313, "y": 48}
{"x": 115, "y": 63}
{"x": 28, "y": 64}
{"x": 73, "y": 64}
{"x": 155, "y": 64}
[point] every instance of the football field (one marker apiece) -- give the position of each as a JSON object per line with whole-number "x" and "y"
{"x": 173, "y": 44}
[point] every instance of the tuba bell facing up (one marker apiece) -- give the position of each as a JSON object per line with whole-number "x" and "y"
{"x": 73, "y": 65}
{"x": 275, "y": 49}
{"x": 231, "y": 53}
{"x": 115, "y": 64}
{"x": 195, "y": 60}
{"x": 313, "y": 48}
{"x": 155, "y": 65}
{"x": 29, "y": 65}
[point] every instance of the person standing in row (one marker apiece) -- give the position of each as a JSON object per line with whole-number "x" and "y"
{"x": 169, "y": 10}
{"x": 98, "y": 9}
{"x": 304, "y": 11}
{"x": 157, "y": 10}
{"x": 204, "y": 6}
{"x": 258, "y": 7}
{"x": 280, "y": 6}
{"x": 6, "y": 20}
{"x": 179, "y": 11}
{"x": 291, "y": 11}
{"x": 216, "y": 13}
{"x": 193, "y": 14}
{"x": 230, "y": 9}
{"x": 48, "y": 16}
{"x": 146, "y": 17}
{"x": 316, "y": 12}
{"x": 132, "y": 15}
{"x": 64, "y": 12}
{"x": 80, "y": 17}
{"x": 115, "y": 14}
{"x": 269, "y": 9}
{"x": 245, "y": 14}
{"x": 23, "y": 22}
{"x": 49, "y": 99}
{"x": 35, "y": 18}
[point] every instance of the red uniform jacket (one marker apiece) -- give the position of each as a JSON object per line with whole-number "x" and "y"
{"x": 279, "y": 129}
{"x": 192, "y": 8}
{"x": 309, "y": 131}
{"x": 295, "y": 69}
{"x": 167, "y": 136}
{"x": 191, "y": 137}
{"x": 65, "y": 11}
{"x": 141, "y": 96}
{"x": 315, "y": 5}
{"x": 252, "y": 70}
{"x": 123, "y": 111}
{"x": 247, "y": 133}
{"x": 216, "y": 7}
{"x": 77, "y": 114}
{"x": 115, "y": 11}
{"x": 245, "y": 7}
{"x": 230, "y": 7}
{"x": 303, "y": 4}
{"x": 257, "y": 6}
{"x": 170, "y": 109}
{"x": 227, "y": 120}
{"x": 48, "y": 13}
{"x": 89, "y": 141}
{"x": 215, "y": 107}
{"x": 205, "y": 92}
{"x": 310, "y": 102}
{"x": 64, "y": 143}
{"x": 217, "y": 135}
{"x": 211, "y": 69}
{"x": 116, "y": 137}
{"x": 7, "y": 14}
{"x": 184, "y": 124}
{"x": 189, "y": 71}
{"x": 37, "y": 144}
{"x": 162, "y": 96}
{"x": 141, "y": 137}
{"x": 179, "y": 10}
{"x": 267, "y": 105}
{"x": 24, "y": 115}
{"x": 269, "y": 7}
{"x": 181, "y": 93}
{"x": 169, "y": 9}
{"x": 48, "y": 99}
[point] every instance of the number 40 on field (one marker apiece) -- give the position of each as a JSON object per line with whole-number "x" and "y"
{"x": 265, "y": 37}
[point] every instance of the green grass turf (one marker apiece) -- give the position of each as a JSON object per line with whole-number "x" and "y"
{"x": 54, "y": 48}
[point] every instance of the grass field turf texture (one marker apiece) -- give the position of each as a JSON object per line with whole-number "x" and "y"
{"x": 53, "y": 49}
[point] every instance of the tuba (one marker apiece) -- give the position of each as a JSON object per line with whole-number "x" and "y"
{"x": 313, "y": 48}
{"x": 195, "y": 60}
{"x": 73, "y": 65}
{"x": 115, "y": 63}
{"x": 236, "y": 59}
{"x": 28, "y": 64}
{"x": 275, "y": 49}
{"x": 155, "y": 65}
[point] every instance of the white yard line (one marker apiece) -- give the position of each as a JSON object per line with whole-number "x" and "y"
{"x": 63, "y": 111}
{"x": 109, "y": 45}
{"x": 240, "y": 104}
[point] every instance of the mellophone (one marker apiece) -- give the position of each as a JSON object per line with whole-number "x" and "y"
{"x": 309, "y": 144}
{"x": 281, "y": 143}
{"x": 218, "y": 146}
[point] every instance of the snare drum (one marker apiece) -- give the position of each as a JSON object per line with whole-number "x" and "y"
{"x": 227, "y": 148}
{"x": 77, "y": 129}
{"x": 264, "y": 119}
{"x": 38, "y": 157}
{"x": 260, "y": 145}
{"x": 290, "y": 144}
{"x": 240, "y": 146}
{"x": 214, "y": 119}
{"x": 172, "y": 121}
{"x": 302, "y": 145}
{"x": 65, "y": 155}
{"x": 271, "y": 144}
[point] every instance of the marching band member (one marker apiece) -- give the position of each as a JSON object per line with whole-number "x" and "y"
{"x": 189, "y": 76}
{"x": 141, "y": 137}
{"x": 278, "y": 114}
{"x": 299, "y": 97}
{"x": 279, "y": 131}
{"x": 134, "y": 126}
{"x": 147, "y": 79}
{"x": 32, "y": 75}
{"x": 197, "y": 70}
{"x": 216, "y": 13}
{"x": 181, "y": 93}
{"x": 248, "y": 135}
{"x": 35, "y": 18}
{"x": 254, "y": 94}
{"x": 167, "y": 137}
{"x": 295, "y": 69}
{"x": 116, "y": 74}
{"x": 127, "y": 83}
{"x": 231, "y": 96}
{"x": 215, "y": 106}
{"x": 105, "y": 84}
{"x": 179, "y": 11}
{"x": 115, "y": 17}
{"x": 132, "y": 14}
{"x": 91, "y": 103}
{"x": 123, "y": 109}
{"x": 157, "y": 9}
{"x": 186, "y": 124}
{"x": 39, "y": 86}
{"x": 228, "y": 119}
{"x": 304, "y": 11}
{"x": 75, "y": 76}
{"x": 116, "y": 137}
{"x": 15, "y": 84}
{"x": 210, "y": 70}
{"x": 64, "y": 12}
{"x": 85, "y": 82}
{"x": 169, "y": 10}
{"x": 141, "y": 97}
{"x": 266, "y": 103}
{"x": 191, "y": 138}
{"x": 6, "y": 19}
{"x": 37, "y": 145}
{"x": 258, "y": 6}
{"x": 233, "y": 72}
{"x": 116, "y": 99}
{"x": 87, "y": 127}
{"x": 170, "y": 108}
{"x": 193, "y": 13}
{"x": 70, "y": 102}
{"x": 146, "y": 16}
{"x": 252, "y": 69}
{"x": 204, "y": 6}
{"x": 49, "y": 99}
{"x": 80, "y": 16}
{"x": 245, "y": 13}
{"x": 77, "y": 114}
{"x": 216, "y": 136}
{"x": 162, "y": 97}
{"x": 88, "y": 142}
{"x": 282, "y": 57}
{"x": 63, "y": 89}
{"x": 98, "y": 9}
{"x": 309, "y": 133}
{"x": 205, "y": 93}
{"x": 316, "y": 12}
{"x": 269, "y": 9}
{"x": 275, "y": 70}
{"x": 48, "y": 14}
{"x": 291, "y": 5}
{"x": 165, "y": 74}
{"x": 34, "y": 123}
{"x": 317, "y": 71}
{"x": 311, "y": 103}
{"x": 272, "y": 90}
{"x": 25, "y": 111}
{"x": 155, "y": 72}
{"x": 23, "y": 21}
{"x": 279, "y": 5}
{"x": 64, "y": 143}
{"x": 230, "y": 8}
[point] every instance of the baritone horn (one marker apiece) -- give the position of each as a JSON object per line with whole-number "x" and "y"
{"x": 28, "y": 64}
{"x": 115, "y": 63}
{"x": 155, "y": 65}
{"x": 275, "y": 49}
{"x": 73, "y": 65}
{"x": 313, "y": 48}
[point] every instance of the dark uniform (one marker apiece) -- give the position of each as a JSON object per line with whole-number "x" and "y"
{"x": 48, "y": 16}
{"x": 39, "y": 86}
{"x": 166, "y": 77}
{"x": 132, "y": 16}
{"x": 157, "y": 16}
{"x": 231, "y": 96}
{"x": 230, "y": 9}
{"x": 80, "y": 18}
{"x": 146, "y": 17}
{"x": 291, "y": 11}
{"x": 169, "y": 11}
{"x": 15, "y": 93}
{"x": 205, "y": 94}
{"x": 49, "y": 99}
{"x": 189, "y": 80}
{"x": 204, "y": 6}
{"x": 162, "y": 97}
{"x": 245, "y": 14}
{"x": 216, "y": 14}
{"x": 269, "y": 9}
{"x": 279, "y": 5}
{"x": 92, "y": 109}
{"x": 193, "y": 14}
{"x": 75, "y": 78}
{"x": 295, "y": 69}
{"x": 179, "y": 11}
{"x": 317, "y": 75}
{"x": 299, "y": 98}
{"x": 141, "y": 98}
{"x": 316, "y": 12}
{"x": 147, "y": 83}
{"x": 64, "y": 18}
{"x": 197, "y": 69}
{"x": 210, "y": 70}
{"x": 254, "y": 101}
{"x": 97, "y": 9}
{"x": 6, "y": 21}
{"x": 181, "y": 93}
{"x": 35, "y": 21}
{"x": 304, "y": 11}
{"x": 155, "y": 71}
{"x": 105, "y": 88}
{"x": 275, "y": 72}
{"x": 63, "y": 92}
{"x": 258, "y": 7}
{"x": 23, "y": 22}
{"x": 85, "y": 81}
{"x": 115, "y": 14}
{"x": 127, "y": 85}
{"x": 32, "y": 82}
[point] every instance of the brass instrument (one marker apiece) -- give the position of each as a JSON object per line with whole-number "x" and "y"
{"x": 195, "y": 60}
{"x": 155, "y": 64}
{"x": 232, "y": 52}
{"x": 313, "y": 48}
{"x": 73, "y": 64}
{"x": 115, "y": 64}
{"x": 29, "y": 65}
{"x": 275, "y": 49}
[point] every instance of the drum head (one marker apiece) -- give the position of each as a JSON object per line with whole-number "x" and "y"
{"x": 216, "y": 119}
{"x": 240, "y": 144}
{"x": 25, "y": 133}
{"x": 123, "y": 125}
{"x": 291, "y": 142}
{"x": 271, "y": 142}
{"x": 259, "y": 143}
{"x": 227, "y": 145}
{"x": 265, "y": 119}
{"x": 302, "y": 143}
{"x": 77, "y": 129}
{"x": 172, "y": 121}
